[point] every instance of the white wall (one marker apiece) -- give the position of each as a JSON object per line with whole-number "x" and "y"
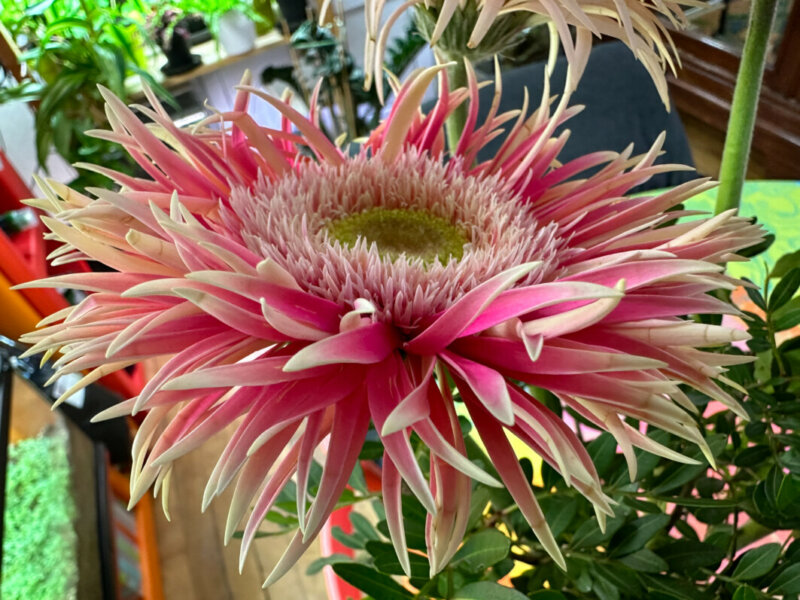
{"x": 18, "y": 141}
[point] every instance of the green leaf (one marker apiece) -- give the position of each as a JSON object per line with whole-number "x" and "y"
{"x": 618, "y": 577}
{"x": 604, "y": 589}
{"x": 788, "y": 492}
{"x": 603, "y": 450}
{"x": 752, "y": 456}
{"x": 785, "y": 290}
{"x": 357, "y": 481}
{"x": 371, "y": 581}
{"x": 167, "y": 97}
{"x": 755, "y": 295}
{"x": 371, "y": 450}
{"x": 317, "y": 565}
{"x": 61, "y": 91}
{"x": 559, "y": 512}
{"x": 262, "y": 534}
{"x": 686, "y": 530}
{"x": 745, "y": 592}
{"x": 386, "y": 560}
{"x": 708, "y": 486}
{"x": 687, "y": 554}
{"x": 763, "y": 365}
{"x": 636, "y": 534}
{"x": 62, "y": 133}
{"x": 477, "y": 504}
{"x": 482, "y": 550}
{"x": 503, "y": 568}
{"x": 64, "y": 24}
{"x": 488, "y": 590}
{"x": 547, "y": 595}
{"x": 757, "y": 562}
{"x": 786, "y": 263}
{"x": 680, "y": 475}
{"x": 758, "y": 248}
{"x": 414, "y": 516}
{"x": 754, "y": 430}
{"x": 791, "y": 460}
{"x": 590, "y": 535}
{"x": 787, "y": 582}
{"x": 720, "y": 536}
{"x": 663, "y": 587}
{"x": 38, "y": 8}
{"x": 646, "y": 561}
{"x": 692, "y": 502}
{"x": 354, "y": 541}
{"x": 787, "y": 320}
{"x": 362, "y": 525}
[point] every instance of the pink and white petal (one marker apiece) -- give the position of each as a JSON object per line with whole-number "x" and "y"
{"x": 414, "y": 406}
{"x": 504, "y": 459}
{"x": 488, "y": 385}
{"x": 453, "y": 321}
{"x": 366, "y": 345}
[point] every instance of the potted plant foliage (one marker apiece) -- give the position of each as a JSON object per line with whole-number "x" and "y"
{"x": 232, "y": 22}
{"x": 71, "y": 48}
{"x": 172, "y": 33}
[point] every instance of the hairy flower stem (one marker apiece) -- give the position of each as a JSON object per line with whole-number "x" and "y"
{"x": 454, "y": 126}
{"x": 744, "y": 106}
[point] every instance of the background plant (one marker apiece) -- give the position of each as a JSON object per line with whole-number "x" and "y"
{"x": 70, "y": 47}
{"x": 39, "y": 543}
{"x": 212, "y": 10}
{"x": 321, "y": 57}
{"x": 680, "y": 532}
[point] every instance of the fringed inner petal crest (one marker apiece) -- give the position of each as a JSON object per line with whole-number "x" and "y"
{"x": 228, "y": 267}
{"x": 289, "y": 221}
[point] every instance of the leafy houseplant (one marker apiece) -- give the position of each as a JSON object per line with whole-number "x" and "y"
{"x": 215, "y": 11}
{"x": 72, "y": 47}
{"x": 321, "y": 57}
{"x": 171, "y": 31}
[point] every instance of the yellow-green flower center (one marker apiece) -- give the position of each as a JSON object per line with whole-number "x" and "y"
{"x": 397, "y": 232}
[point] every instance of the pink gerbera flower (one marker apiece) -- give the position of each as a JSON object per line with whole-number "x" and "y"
{"x": 314, "y": 293}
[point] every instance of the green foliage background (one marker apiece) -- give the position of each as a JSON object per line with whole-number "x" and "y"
{"x": 39, "y": 541}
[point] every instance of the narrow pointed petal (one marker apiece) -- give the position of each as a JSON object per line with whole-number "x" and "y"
{"x": 488, "y": 385}
{"x": 448, "y": 326}
{"x": 519, "y": 487}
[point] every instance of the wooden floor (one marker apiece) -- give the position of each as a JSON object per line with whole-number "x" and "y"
{"x": 196, "y": 565}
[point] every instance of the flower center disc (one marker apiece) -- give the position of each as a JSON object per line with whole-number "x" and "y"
{"x": 397, "y": 232}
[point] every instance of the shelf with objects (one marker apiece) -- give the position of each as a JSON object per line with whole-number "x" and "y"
{"x": 111, "y": 554}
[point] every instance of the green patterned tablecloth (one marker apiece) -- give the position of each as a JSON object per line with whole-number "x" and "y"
{"x": 777, "y": 206}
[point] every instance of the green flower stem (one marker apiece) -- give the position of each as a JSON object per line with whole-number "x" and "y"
{"x": 744, "y": 105}
{"x": 454, "y": 126}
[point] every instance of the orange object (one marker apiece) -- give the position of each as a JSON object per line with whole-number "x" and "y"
{"x": 152, "y": 586}
{"x": 16, "y": 316}
{"x": 17, "y": 270}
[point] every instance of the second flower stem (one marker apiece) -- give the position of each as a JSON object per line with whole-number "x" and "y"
{"x": 454, "y": 126}
{"x": 745, "y": 105}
